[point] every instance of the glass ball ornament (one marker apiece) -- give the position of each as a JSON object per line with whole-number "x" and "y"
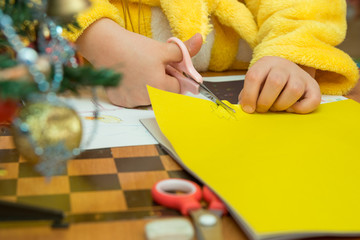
{"x": 47, "y": 130}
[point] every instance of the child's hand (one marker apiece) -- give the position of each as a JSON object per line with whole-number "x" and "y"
{"x": 277, "y": 84}
{"x": 141, "y": 60}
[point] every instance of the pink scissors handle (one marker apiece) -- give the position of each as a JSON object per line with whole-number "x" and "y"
{"x": 177, "y": 69}
{"x": 186, "y": 85}
{"x": 186, "y": 202}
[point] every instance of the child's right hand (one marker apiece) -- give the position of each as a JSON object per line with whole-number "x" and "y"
{"x": 141, "y": 60}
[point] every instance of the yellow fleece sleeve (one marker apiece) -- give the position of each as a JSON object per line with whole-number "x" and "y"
{"x": 306, "y": 32}
{"x": 98, "y": 9}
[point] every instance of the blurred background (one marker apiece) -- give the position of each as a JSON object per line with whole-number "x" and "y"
{"x": 351, "y": 44}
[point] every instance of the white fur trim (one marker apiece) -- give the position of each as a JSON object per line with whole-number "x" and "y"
{"x": 245, "y": 52}
{"x": 161, "y": 31}
{"x": 201, "y": 60}
{"x": 160, "y": 27}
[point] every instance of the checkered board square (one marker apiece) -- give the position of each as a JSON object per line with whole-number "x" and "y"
{"x": 102, "y": 184}
{"x": 99, "y": 185}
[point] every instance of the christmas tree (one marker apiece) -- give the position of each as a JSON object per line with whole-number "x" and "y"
{"x": 36, "y": 64}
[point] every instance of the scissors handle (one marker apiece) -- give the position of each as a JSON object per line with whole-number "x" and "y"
{"x": 189, "y": 79}
{"x": 214, "y": 202}
{"x": 185, "y": 66}
{"x": 186, "y": 85}
{"x": 187, "y": 201}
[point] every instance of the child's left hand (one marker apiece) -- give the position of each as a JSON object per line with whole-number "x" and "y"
{"x": 277, "y": 84}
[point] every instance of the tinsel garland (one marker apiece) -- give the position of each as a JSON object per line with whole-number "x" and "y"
{"x": 74, "y": 79}
{"x": 23, "y": 14}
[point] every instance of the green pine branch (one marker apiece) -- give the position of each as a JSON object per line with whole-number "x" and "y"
{"x": 86, "y": 75}
{"x": 26, "y": 16}
{"x": 74, "y": 79}
{"x": 6, "y": 61}
{"x": 16, "y": 89}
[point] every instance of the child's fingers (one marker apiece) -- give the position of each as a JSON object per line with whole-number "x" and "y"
{"x": 194, "y": 44}
{"x": 173, "y": 52}
{"x": 292, "y": 92}
{"x": 167, "y": 82}
{"x": 127, "y": 97}
{"x": 171, "y": 84}
{"x": 254, "y": 80}
{"x": 134, "y": 97}
{"x": 310, "y": 101}
{"x": 274, "y": 84}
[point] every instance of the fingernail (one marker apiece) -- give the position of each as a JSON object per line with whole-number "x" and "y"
{"x": 290, "y": 110}
{"x": 248, "y": 109}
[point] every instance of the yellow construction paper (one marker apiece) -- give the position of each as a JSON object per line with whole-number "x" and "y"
{"x": 280, "y": 173}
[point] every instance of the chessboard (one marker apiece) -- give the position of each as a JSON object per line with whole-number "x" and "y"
{"x": 99, "y": 185}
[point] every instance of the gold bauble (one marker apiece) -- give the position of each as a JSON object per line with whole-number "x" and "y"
{"x": 65, "y": 10}
{"x": 48, "y": 125}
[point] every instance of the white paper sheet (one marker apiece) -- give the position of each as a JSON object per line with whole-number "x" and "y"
{"x": 116, "y": 127}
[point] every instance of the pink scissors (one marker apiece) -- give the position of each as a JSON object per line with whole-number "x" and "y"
{"x": 190, "y": 80}
{"x": 207, "y": 222}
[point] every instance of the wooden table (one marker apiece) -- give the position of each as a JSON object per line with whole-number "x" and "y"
{"x": 130, "y": 227}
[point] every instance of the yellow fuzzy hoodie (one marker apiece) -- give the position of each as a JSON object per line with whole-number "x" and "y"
{"x": 238, "y": 33}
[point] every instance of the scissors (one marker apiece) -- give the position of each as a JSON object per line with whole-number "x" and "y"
{"x": 207, "y": 222}
{"x": 190, "y": 80}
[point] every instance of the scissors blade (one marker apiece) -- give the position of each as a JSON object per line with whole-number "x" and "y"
{"x": 207, "y": 93}
{"x": 210, "y": 95}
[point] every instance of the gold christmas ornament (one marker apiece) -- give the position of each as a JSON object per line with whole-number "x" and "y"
{"x": 65, "y": 10}
{"x": 47, "y": 131}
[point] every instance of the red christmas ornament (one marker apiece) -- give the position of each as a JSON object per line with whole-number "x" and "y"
{"x": 8, "y": 109}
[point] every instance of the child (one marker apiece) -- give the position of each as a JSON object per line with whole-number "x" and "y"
{"x": 288, "y": 46}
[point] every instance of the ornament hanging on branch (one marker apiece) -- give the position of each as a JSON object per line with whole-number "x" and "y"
{"x": 46, "y": 131}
